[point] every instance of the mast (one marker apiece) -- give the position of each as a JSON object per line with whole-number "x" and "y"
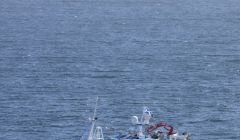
{"x": 93, "y": 120}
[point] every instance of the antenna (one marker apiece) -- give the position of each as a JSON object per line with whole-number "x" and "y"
{"x": 93, "y": 120}
{"x": 146, "y": 116}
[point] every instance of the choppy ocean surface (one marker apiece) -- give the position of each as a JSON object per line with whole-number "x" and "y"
{"x": 181, "y": 58}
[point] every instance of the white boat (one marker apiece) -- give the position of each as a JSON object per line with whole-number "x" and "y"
{"x": 144, "y": 131}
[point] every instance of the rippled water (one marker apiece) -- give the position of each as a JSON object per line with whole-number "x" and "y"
{"x": 180, "y": 58}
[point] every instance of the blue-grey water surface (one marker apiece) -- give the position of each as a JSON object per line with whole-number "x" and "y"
{"x": 181, "y": 58}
